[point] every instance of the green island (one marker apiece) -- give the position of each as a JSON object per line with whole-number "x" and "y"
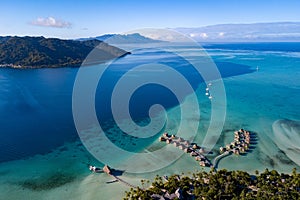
{"x": 221, "y": 184}
{"x": 40, "y": 52}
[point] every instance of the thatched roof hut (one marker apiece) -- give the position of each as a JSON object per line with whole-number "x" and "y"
{"x": 107, "y": 169}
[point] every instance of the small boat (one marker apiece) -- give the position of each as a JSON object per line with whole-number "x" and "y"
{"x": 207, "y": 89}
{"x": 257, "y": 68}
{"x": 210, "y": 97}
{"x": 209, "y": 84}
{"x": 207, "y": 93}
{"x": 95, "y": 169}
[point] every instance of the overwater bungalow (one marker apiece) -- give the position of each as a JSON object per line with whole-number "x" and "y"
{"x": 166, "y": 135}
{"x": 241, "y": 149}
{"x": 176, "y": 144}
{"x": 233, "y": 144}
{"x": 202, "y": 163}
{"x": 247, "y": 140}
{"x": 168, "y": 141}
{"x": 222, "y": 149}
{"x": 195, "y": 146}
{"x": 187, "y": 150}
{"x": 236, "y": 151}
{"x": 228, "y": 146}
{"x": 181, "y": 147}
{"x": 193, "y": 153}
{"x": 173, "y": 136}
{"x": 201, "y": 150}
{"x": 187, "y": 143}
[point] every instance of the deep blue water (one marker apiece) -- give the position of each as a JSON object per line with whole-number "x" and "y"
{"x": 36, "y": 104}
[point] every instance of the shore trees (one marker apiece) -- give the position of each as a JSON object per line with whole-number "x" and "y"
{"x": 223, "y": 184}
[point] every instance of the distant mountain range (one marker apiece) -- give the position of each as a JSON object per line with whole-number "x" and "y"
{"x": 122, "y": 39}
{"x": 256, "y": 32}
{"x": 37, "y": 52}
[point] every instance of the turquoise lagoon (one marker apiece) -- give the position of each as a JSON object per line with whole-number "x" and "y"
{"x": 43, "y": 158}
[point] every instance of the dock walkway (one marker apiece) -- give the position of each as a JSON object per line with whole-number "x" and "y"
{"x": 123, "y": 181}
{"x": 219, "y": 157}
{"x": 110, "y": 172}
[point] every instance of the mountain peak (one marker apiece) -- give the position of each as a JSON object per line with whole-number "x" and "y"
{"x": 132, "y": 38}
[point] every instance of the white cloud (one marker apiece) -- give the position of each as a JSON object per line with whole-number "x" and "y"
{"x": 204, "y": 35}
{"x": 51, "y": 22}
{"x": 221, "y": 34}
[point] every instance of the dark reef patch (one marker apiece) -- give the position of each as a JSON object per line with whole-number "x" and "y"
{"x": 48, "y": 182}
{"x": 4, "y": 172}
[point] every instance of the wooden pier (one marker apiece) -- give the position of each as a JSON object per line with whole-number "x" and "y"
{"x": 238, "y": 146}
{"x": 110, "y": 172}
{"x": 192, "y": 148}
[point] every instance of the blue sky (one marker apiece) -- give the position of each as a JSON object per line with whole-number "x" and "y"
{"x": 73, "y": 19}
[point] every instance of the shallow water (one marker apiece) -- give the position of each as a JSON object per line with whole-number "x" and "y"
{"x": 37, "y": 123}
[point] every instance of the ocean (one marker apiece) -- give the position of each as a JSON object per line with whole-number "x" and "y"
{"x": 40, "y": 142}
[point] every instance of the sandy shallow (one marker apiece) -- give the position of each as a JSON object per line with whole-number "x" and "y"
{"x": 287, "y": 138}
